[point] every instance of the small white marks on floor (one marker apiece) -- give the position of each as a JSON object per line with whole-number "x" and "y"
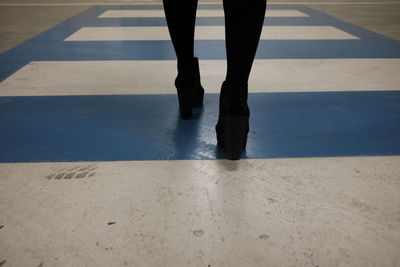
{"x": 77, "y": 172}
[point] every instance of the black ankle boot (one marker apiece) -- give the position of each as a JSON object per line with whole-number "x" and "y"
{"x": 233, "y": 121}
{"x": 189, "y": 89}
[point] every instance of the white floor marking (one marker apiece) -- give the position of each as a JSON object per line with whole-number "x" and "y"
{"x": 275, "y": 212}
{"x": 200, "y": 13}
{"x": 207, "y": 33}
{"x": 156, "y": 77}
{"x": 216, "y": 3}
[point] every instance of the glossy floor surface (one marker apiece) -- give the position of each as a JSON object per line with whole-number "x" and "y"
{"x": 97, "y": 169}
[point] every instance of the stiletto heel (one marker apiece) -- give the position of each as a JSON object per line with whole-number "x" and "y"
{"x": 189, "y": 89}
{"x": 233, "y": 123}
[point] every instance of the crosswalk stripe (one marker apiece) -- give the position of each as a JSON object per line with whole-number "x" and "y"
{"x": 156, "y": 77}
{"x": 207, "y": 33}
{"x": 158, "y": 204}
{"x": 204, "y": 3}
{"x": 200, "y": 13}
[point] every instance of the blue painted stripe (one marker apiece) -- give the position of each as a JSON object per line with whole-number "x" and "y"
{"x": 205, "y": 49}
{"x": 146, "y": 127}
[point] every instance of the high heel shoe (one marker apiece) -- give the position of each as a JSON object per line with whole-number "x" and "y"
{"x": 233, "y": 122}
{"x": 189, "y": 89}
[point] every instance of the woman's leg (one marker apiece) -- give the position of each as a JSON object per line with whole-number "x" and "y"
{"x": 243, "y": 25}
{"x": 181, "y": 19}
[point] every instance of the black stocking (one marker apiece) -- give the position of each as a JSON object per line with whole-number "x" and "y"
{"x": 181, "y": 19}
{"x": 243, "y": 25}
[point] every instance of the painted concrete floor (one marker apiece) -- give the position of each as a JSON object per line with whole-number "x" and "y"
{"x": 96, "y": 168}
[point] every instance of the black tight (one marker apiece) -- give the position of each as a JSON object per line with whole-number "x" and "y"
{"x": 243, "y": 25}
{"x": 181, "y": 18}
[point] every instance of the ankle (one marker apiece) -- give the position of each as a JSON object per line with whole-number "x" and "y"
{"x": 233, "y": 99}
{"x": 234, "y": 93}
{"x": 186, "y": 72}
{"x": 185, "y": 63}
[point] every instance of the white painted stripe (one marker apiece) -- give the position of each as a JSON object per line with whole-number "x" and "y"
{"x": 207, "y": 33}
{"x": 182, "y": 209}
{"x": 270, "y": 3}
{"x": 200, "y": 13}
{"x": 156, "y": 77}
